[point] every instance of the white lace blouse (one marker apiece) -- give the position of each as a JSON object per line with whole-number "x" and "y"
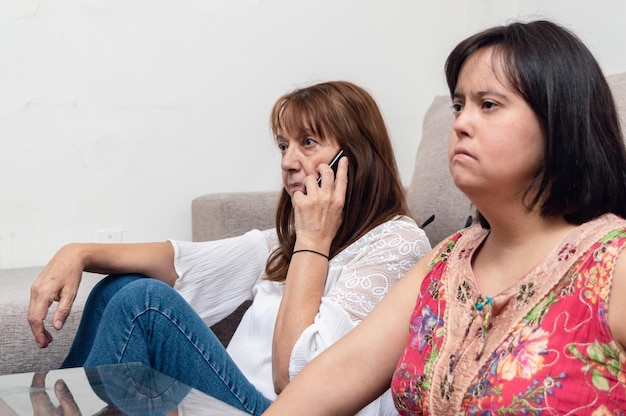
{"x": 216, "y": 277}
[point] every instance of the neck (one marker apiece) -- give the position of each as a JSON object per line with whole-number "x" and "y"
{"x": 514, "y": 247}
{"x": 526, "y": 229}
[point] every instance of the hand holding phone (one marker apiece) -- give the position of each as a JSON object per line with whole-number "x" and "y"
{"x": 333, "y": 165}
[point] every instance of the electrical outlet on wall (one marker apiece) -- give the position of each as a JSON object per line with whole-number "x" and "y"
{"x": 110, "y": 236}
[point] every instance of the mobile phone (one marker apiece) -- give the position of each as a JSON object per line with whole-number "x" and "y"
{"x": 333, "y": 165}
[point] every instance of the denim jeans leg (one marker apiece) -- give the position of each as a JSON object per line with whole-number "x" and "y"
{"x": 136, "y": 390}
{"x": 149, "y": 322}
{"x": 94, "y": 307}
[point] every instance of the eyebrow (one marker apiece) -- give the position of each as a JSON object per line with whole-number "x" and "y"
{"x": 479, "y": 95}
{"x": 301, "y": 136}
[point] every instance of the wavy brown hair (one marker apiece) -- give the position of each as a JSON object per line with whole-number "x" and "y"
{"x": 375, "y": 194}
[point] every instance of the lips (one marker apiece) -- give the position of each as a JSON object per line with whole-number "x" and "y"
{"x": 295, "y": 186}
{"x": 461, "y": 152}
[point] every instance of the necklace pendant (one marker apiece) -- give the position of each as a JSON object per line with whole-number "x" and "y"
{"x": 447, "y": 387}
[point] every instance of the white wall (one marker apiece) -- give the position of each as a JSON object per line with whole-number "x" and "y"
{"x": 114, "y": 115}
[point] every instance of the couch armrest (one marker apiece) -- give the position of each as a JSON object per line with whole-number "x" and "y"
{"x": 223, "y": 215}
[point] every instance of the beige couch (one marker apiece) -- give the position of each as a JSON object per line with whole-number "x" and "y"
{"x": 222, "y": 215}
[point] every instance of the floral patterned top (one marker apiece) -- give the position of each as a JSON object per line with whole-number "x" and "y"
{"x": 548, "y": 350}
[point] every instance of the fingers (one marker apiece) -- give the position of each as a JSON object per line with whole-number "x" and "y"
{"x": 327, "y": 175}
{"x": 63, "y": 309}
{"x": 341, "y": 181}
{"x": 44, "y": 291}
{"x": 39, "y": 380}
{"x": 336, "y": 183}
{"x": 66, "y": 400}
{"x": 43, "y": 338}
{"x": 37, "y": 312}
{"x": 41, "y": 402}
{"x": 42, "y": 405}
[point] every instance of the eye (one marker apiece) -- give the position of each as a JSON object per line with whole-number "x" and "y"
{"x": 282, "y": 147}
{"x": 457, "y": 108}
{"x": 488, "y": 105}
{"x": 308, "y": 141}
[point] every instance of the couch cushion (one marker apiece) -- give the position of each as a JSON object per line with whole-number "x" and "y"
{"x": 223, "y": 215}
{"x": 18, "y": 351}
{"x": 431, "y": 191}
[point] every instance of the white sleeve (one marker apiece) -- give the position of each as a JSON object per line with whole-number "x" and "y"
{"x": 359, "y": 278}
{"x": 215, "y": 277}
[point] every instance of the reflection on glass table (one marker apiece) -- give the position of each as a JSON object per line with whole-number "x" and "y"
{"x": 121, "y": 389}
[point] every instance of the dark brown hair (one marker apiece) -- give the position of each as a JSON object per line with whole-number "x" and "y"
{"x": 375, "y": 194}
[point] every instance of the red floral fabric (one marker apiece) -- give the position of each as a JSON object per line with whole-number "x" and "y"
{"x": 548, "y": 350}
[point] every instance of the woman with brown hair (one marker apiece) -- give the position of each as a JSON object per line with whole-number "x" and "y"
{"x": 338, "y": 247}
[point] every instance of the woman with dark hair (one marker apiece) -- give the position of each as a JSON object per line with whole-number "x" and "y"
{"x": 564, "y": 86}
{"x": 520, "y": 314}
{"x": 335, "y": 252}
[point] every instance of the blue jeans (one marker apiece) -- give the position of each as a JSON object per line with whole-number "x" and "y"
{"x": 135, "y": 389}
{"x": 130, "y": 318}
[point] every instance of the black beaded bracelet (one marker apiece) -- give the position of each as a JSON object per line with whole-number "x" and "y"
{"x": 311, "y": 251}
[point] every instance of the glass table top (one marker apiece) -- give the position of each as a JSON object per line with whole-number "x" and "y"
{"x": 121, "y": 389}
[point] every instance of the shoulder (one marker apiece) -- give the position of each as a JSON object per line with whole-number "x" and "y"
{"x": 400, "y": 226}
{"x": 400, "y": 232}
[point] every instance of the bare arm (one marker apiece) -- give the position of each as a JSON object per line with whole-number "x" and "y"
{"x": 59, "y": 280}
{"x": 364, "y": 360}
{"x": 317, "y": 219}
{"x": 298, "y": 307}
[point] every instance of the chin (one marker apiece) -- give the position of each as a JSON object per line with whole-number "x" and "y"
{"x": 466, "y": 186}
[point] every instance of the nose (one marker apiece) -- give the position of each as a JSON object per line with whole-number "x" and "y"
{"x": 290, "y": 160}
{"x": 462, "y": 123}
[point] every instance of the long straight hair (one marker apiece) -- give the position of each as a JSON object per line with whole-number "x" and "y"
{"x": 375, "y": 194}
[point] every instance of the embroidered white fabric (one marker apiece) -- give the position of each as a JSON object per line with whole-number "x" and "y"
{"x": 373, "y": 264}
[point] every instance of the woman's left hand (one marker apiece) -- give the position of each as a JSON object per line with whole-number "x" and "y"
{"x": 318, "y": 212}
